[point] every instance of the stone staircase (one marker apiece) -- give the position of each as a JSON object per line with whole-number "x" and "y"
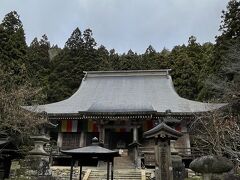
{"x": 124, "y": 169}
{"x": 123, "y": 174}
{"x": 124, "y": 162}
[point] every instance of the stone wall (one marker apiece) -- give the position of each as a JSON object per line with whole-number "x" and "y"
{"x": 58, "y": 172}
{"x": 63, "y": 172}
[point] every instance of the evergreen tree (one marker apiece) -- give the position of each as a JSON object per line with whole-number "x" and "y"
{"x": 230, "y": 26}
{"x": 12, "y": 23}
{"x": 80, "y": 54}
{"x": 114, "y": 60}
{"x": 13, "y": 49}
{"x": 130, "y": 61}
{"x": 152, "y": 59}
{"x": 75, "y": 42}
{"x": 230, "y": 30}
{"x": 104, "y": 59}
{"x": 183, "y": 72}
{"x": 39, "y": 64}
{"x": 89, "y": 41}
{"x": 149, "y": 59}
{"x": 15, "y": 87}
{"x": 90, "y": 60}
{"x": 165, "y": 61}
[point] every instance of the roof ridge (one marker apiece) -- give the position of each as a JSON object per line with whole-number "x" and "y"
{"x": 162, "y": 72}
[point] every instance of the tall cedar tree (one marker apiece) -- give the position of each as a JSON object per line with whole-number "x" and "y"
{"x": 39, "y": 65}
{"x": 230, "y": 30}
{"x": 225, "y": 49}
{"x": 13, "y": 49}
{"x": 15, "y": 88}
{"x": 79, "y": 54}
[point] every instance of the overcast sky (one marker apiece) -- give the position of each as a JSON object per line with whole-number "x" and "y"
{"x": 120, "y": 24}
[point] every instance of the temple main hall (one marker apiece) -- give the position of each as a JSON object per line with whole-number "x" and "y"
{"x": 117, "y": 107}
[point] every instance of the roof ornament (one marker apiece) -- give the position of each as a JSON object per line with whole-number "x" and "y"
{"x": 85, "y": 75}
{"x": 168, "y": 70}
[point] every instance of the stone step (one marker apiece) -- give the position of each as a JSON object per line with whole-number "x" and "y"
{"x": 123, "y": 163}
{"x": 118, "y": 175}
{"x": 119, "y": 163}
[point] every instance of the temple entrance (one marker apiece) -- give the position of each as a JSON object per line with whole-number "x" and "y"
{"x": 119, "y": 140}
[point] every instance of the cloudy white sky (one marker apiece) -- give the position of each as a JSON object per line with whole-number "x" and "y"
{"x": 120, "y": 24}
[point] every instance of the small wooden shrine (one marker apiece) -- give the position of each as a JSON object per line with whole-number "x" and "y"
{"x": 162, "y": 135}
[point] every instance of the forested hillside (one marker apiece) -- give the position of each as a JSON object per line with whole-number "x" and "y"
{"x": 200, "y": 71}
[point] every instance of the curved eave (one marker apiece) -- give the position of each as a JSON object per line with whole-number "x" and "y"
{"x": 125, "y": 92}
{"x": 162, "y": 129}
{"x": 205, "y": 107}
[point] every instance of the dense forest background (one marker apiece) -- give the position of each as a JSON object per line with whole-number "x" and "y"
{"x": 205, "y": 72}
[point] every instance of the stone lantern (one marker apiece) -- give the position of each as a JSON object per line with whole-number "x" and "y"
{"x": 38, "y": 159}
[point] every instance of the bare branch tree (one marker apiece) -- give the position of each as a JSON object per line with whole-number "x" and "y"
{"x": 219, "y": 132}
{"x": 15, "y": 121}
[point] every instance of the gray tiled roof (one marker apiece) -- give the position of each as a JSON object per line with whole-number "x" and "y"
{"x": 126, "y": 91}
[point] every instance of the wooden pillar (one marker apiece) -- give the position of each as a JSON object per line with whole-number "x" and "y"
{"x": 71, "y": 171}
{"x": 135, "y": 148}
{"x": 108, "y": 170}
{"x": 82, "y": 139}
{"x": 80, "y": 172}
{"x": 135, "y": 134}
{"x": 59, "y": 139}
{"x": 101, "y": 133}
{"x": 156, "y": 150}
{"x": 136, "y": 157}
{"x": 112, "y": 169}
